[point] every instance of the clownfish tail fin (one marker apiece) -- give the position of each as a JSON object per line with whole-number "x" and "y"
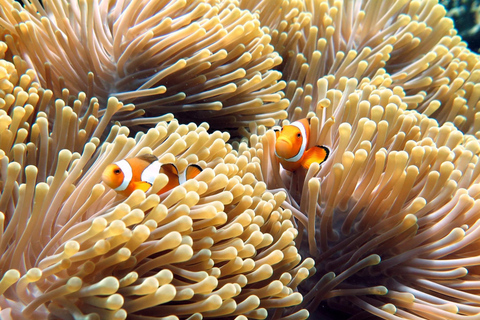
{"x": 192, "y": 171}
{"x": 316, "y": 154}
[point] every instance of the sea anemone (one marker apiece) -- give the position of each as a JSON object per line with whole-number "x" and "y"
{"x": 196, "y": 59}
{"x": 35, "y": 126}
{"x": 412, "y": 41}
{"x": 218, "y": 245}
{"x": 389, "y": 221}
{"x": 391, "y": 216}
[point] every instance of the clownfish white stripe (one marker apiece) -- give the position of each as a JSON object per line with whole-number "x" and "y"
{"x": 150, "y": 172}
{"x": 182, "y": 178}
{"x": 127, "y": 174}
{"x": 300, "y": 153}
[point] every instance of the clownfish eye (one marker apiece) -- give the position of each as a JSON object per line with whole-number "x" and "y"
{"x": 299, "y": 135}
{"x": 116, "y": 171}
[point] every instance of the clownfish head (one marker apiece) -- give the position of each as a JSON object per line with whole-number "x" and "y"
{"x": 291, "y": 141}
{"x": 113, "y": 176}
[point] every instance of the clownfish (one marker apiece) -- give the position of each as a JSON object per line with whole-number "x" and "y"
{"x": 128, "y": 175}
{"x": 291, "y": 146}
{"x": 176, "y": 179}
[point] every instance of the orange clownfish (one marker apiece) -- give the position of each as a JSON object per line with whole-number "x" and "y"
{"x": 128, "y": 175}
{"x": 291, "y": 146}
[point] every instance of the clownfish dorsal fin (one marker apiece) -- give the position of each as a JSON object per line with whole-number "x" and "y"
{"x": 316, "y": 154}
{"x": 150, "y": 158}
{"x": 171, "y": 171}
{"x": 305, "y": 122}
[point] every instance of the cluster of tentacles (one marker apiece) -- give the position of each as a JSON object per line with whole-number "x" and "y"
{"x": 387, "y": 227}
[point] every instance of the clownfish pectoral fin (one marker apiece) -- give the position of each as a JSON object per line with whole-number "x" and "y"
{"x": 171, "y": 171}
{"x": 316, "y": 154}
{"x": 277, "y": 132}
{"x": 141, "y": 185}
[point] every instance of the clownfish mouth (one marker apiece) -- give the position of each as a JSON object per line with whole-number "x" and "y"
{"x": 283, "y": 149}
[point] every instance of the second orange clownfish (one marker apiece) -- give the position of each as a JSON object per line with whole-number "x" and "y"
{"x": 128, "y": 175}
{"x": 291, "y": 146}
